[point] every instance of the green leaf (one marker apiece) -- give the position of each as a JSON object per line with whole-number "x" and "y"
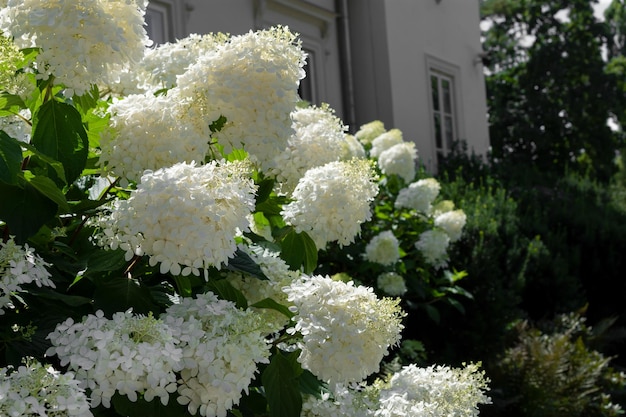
{"x": 183, "y": 285}
{"x": 105, "y": 261}
{"x": 282, "y": 386}
{"x": 299, "y": 251}
{"x": 142, "y": 408}
{"x": 264, "y": 189}
{"x": 10, "y": 158}
{"x": 48, "y": 188}
{"x": 243, "y": 263}
{"x": 53, "y": 163}
{"x": 58, "y": 132}
{"x": 226, "y": 291}
{"x": 272, "y": 206}
{"x": 25, "y": 210}
{"x": 218, "y": 124}
{"x": 70, "y": 300}
{"x": 87, "y": 101}
{"x": 10, "y": 104}
{"x": 456, "y": 304}
{"x": 273, "y": 305}
{"x": 309, "y": 384}
{"x": 115, "y": 293}
{"x": 433, "y": 313}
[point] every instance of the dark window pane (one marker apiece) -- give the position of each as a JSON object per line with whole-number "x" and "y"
{"x": 434, "y": 88}
{"x": 449, "y": 129}
{"x": 437, "y": 121}
{"x": 447, "y": 101}
{"x": 307, "y": 85}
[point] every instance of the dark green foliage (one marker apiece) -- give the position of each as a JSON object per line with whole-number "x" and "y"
{"x": 549, "y": 101}
{"x": 496, "y": 256}
{"x": 552, "y": 372}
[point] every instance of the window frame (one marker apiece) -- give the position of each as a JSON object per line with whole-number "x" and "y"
{"x": 442, "y": 70}
{"x": 173, "y": 18}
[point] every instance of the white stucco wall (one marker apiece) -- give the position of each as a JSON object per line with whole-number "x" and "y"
{"x": 227, "y": 16}
{"x": 392, "y": 51}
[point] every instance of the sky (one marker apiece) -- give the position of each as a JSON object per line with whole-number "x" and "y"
{"x": 602, "y": 4}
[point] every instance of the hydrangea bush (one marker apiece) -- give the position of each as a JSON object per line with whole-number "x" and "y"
{"x": 162, "y": 215}
{"x": 402, "y": 250}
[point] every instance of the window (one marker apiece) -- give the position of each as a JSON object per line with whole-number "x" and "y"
{"x": 443, "y": 111}
{"x": 164, "y": 20}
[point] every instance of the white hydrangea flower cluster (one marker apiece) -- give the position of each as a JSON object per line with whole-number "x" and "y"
{"x": 163, "y": 64}
{"x": 35, "y": 390}
{"x": 370, "y": 131}
{"x": 383, "y": 248}
{"x": 352, "y": 148}
{"x": 145, "y": 134}
{"x": 419, "y": 195}
{"x": 452, "y": 222}
{"x": 352, "y": 401}
{"x": 20, "y": 265}
{"x": 12, "y": 80}
{"x": 221, "y": 347}
{"x": 384, "y": 141}
{"x": 434, "y": 246}
{"x": 332, "y": 201}
{"x": 436, "y": 391}
{"x": 346, "y": 330}
{"x": 16, "y": 126}
{"x": 129, "y": 354}
{"x": 80, "y": 40}
{"x": 399, "y": 160}
{"x": 254, "y": 289}
{"x": 392, "y": 283}
{"x": 251, "y": 80}
{"x": 318, "y": 139}
{"x": 183, "y": 217}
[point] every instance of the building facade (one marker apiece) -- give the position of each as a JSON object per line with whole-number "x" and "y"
{"x": 413, "y": 64}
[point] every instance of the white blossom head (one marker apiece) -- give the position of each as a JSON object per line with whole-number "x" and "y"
{"x": 251, "y": 81}
{"x": 346, "y": 330}
{"x": 332, "y": 201}
{"x": 343, "y": 401}
{"x": 452, "y": 222}
{"x": 370, "y": 131}
{"x": 437, "y": 391}
{"x": 80, "y": 41}
{"x": 11, "y": 60}
{"x": 20, "y": 265}
{"x": 132, "y": 355}
{"x": 399, "y": 160}
{"x": 433, "y": 244}
{"x": 383, "y": 249}
{"x": 385, "y": 141}
{"x": 222, "y": 346}
{"x": 352, "y": 148}
{"x": 392, "y": 283}
{"x": 145, "y": 134}
{"x": 319, "y": 137}
{"x": 163, "y": 64}
{"x": 35, "y": 390}
{"x": 183, "y": 217}
{"x": 418, "y": 195}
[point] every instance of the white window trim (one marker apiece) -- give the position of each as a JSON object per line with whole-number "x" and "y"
{"x": 452, "y": 71}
